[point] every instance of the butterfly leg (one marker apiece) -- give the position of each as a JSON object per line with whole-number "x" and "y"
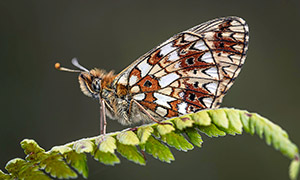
{"x": 102, "y": 117}
{"x": 143, "y": 109}
{"x": 146, "y": 112}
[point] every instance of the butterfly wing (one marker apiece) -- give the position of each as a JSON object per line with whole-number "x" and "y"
{"x": 191, "y": 71}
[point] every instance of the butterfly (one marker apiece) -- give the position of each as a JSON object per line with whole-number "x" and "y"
{"x": 189, "y": 72}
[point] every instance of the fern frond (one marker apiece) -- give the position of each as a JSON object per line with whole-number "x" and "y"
{"x": 152, "y": 139}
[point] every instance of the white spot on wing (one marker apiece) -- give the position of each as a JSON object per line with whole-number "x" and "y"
{"x": 123, "y": 80}
{"x": 173, "y": 56}
{"x": 135, "y": 89}
{"x": 166, "y": 49}
{"x": 144, "y": 67}
{"x": 161, "y": 111}
{"x": 238, "y": 36}
{"x": 139, "y": 97}
{"x": 182, "y": 108}
{"x": 212, "y": 87}
{"x": 207, "y": 57}
{"x": 132, "y": 80}
{"x": 168, "y": 79}
{"x": 181, "y": 94}
{"x": 177, "y": 65}
{"x": 213, "y": 72}
{"x": 163, "y": 99}
{"x": 207, "y": 101}
{"x": 200, "y": 46}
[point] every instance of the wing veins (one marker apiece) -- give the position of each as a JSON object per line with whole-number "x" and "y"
{"x": 157, "y": 61}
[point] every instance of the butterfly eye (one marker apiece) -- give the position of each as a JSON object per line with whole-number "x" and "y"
{"x": 96, "y": 84}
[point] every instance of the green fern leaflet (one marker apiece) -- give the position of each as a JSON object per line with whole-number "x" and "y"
{"x": 152, "y": 139}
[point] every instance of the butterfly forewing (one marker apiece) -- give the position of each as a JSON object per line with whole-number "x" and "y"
{"x": 191, "y": 71}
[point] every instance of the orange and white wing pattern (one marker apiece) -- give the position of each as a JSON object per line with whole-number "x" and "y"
{"x": 191, "y": 71}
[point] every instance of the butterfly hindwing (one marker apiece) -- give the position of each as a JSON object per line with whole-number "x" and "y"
{"x": 191, "y": 71}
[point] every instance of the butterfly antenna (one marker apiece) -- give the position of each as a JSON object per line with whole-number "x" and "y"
{"x": 57, "y": 66}
{"x": 76, "y": 64}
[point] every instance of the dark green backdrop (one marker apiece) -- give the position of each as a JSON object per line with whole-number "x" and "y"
{"x": 41, "y": 103}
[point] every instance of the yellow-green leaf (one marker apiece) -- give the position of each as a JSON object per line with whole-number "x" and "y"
{"x": 131, "y": 153}
{"x": 33, "y": 172}
{"x": 219, "y": 117}
{"x": 15, "y": 165}
{"x": 164, "y": 128}
{"x": 234, "y": 121}
{"x": 144, "y": 132}
{"x": 5, "y": 176}
{"x": 158, "y": 150}
{"x": 177, "y": 140}
{"x": 106, "y": 144}
{"x": 294, "y": 168}
{"x": 83, "y": 145}
{"x": 273, "y": 134}
{"x": 244, "y": 117}
{"x": 56, "y": 167}
{"x": 106, "y": 158}
{"x": 212, "y": 131}
{"x": 201, "y": 118}
{"x": 183, "y": 122}
{"x": 20, "y": 169}
{"x": 30, "y": 146}
{"x": 61, "y": 149}
{"x": 128, "y": 138}
{"x": 194, "y": 136}
{"x": 78, "y": 162}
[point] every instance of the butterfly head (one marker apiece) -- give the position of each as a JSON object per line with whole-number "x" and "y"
{"x": 91, "y": 82}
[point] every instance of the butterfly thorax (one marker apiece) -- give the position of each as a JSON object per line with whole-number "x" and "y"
{"x": 99, "y": 84}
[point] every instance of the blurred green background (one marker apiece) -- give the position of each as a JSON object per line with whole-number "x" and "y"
{"x": 42, "y": 103}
